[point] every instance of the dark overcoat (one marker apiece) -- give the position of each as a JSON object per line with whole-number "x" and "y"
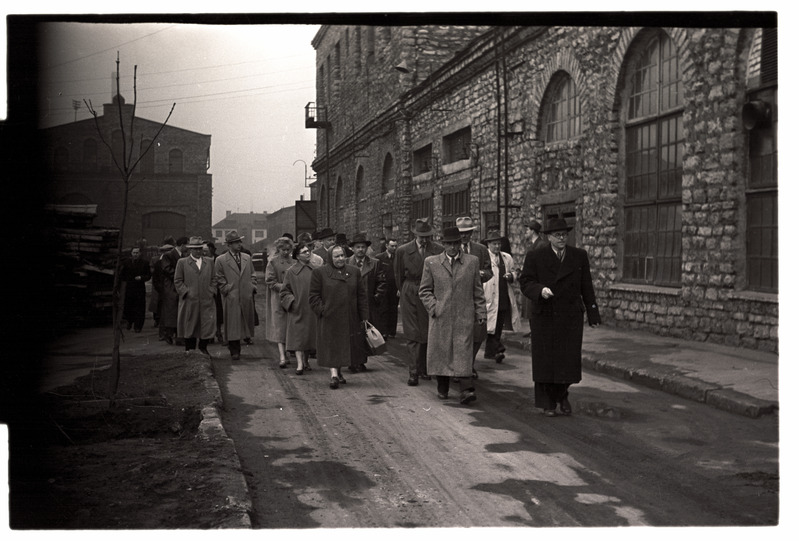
{"x": 168, "y": 295}
{"x": 373, "y": 276}
{"x": 338, "y": 299}
{"x": 527, "y": 303}
{"x": 556, "y": 324}
{"x": 390, "y": 303}
{"x": 276, "y": 318}
{"x": 196, "y": 306}
{"x": 236, "y": 285}
{"x": 301, "y": 325}
{"x": 135, "y": 290}
{"x": 453, "y": 296}
{"x": 408, "y": 266}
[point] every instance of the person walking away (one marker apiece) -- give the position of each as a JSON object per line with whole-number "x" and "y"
{"x": 235, "y": 277}
{"x": 195, "y": 282}
{"x": 276, "y": 319}
{"x": 501, "y": 306}
{"x": 339, "y": 300}
{"x": 408, "y": 267}
{"x": 373, "y": 276}
{"x": 558, "y": 281}
{"x": 451, "y": 291}
{"x": 135, "y": 272}
{"x": 301, "y": 320}
{"x": 389, "y": 306}
{"x": 466, "y": 228}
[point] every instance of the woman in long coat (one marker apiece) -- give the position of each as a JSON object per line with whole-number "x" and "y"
{"x": 276, "y": 319}
{"x": 561, "y": 292}
{"x": 339, "y": 300}
{"x": 301, "y": 327}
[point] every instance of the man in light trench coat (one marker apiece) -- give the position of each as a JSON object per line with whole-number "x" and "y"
{"x": 195, "y": 283}
{"x": 235, "y": 276}
{"x": 452, "y": 293}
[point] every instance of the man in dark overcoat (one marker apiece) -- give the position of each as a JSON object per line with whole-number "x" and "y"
{"x": 557, "y": 279}
{"x": 408, "y": 272}
{"x": 327, "y": 238}
{"x": 535, "y": 240}
{"x": 168, "y": 295}
{"x": 373, "y": 277}
{"x": 135, "y": 273}
{"x": 390, "y": 304}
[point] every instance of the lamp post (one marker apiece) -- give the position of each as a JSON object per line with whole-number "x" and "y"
{"x": 305, "y": 178}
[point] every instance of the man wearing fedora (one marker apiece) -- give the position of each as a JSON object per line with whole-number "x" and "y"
{"x": 168, "y": 295}
{"x": 535, "y": 240}
{"x": 195, "y": 283}
{"x": 408, "y": 266}
{"x": 451, "y": 291}
{"x": 235, "y": 276}
{"x": 557, "y": 279}
{"x": 327, "y": 238}
{"x": 373, "y": 278}
{"x": 466, "y": 227}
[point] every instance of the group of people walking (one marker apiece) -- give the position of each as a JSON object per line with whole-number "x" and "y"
{"x": 323, "y": 291}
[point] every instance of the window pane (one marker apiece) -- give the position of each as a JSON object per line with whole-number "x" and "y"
{"x": 761, "y": 241}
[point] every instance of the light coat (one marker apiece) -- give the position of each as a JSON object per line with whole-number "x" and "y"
{"x": 408, "y": 266}
{"x": 196, "y": 304}
{"x": 236, "y": 287}
{"x": 453, "y": 297}
{"x": 301, "y": 325}
{"x": 556, "y": 324}
{"x": 339, "y": 300}
{"x": 491, "y": 288}
{"x": 276, "y": 318}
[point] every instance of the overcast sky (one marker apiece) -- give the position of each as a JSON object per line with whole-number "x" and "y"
{"x": 246, "y": 86}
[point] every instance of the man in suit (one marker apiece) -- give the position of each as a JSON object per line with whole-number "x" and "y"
{"x": 168, "y": 295}
{"x": 451, "y": 291}
{"x": 466, "y": 227}
{"x": 195, "y": 283}
{"x": 327, "y": 238}
{"x": 235, "y": 276}
{"x": 558, "y": 281}
{"x": 390, "y": 304}
{"x": 373, "y": 277}
{"x": 408, "y": 268}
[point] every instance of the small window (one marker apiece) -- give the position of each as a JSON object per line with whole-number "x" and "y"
{"x": 388, "y": 173}
{"x": 453, "y": 205}
{"x": 422, "y": 160}
{"x": 219, "y": 234}
{"x": 259, "y": 234}
{"x": 457, "y": 145}
{"x": 562, "y": 110}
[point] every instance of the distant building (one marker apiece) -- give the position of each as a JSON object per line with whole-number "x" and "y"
{"x": 658, "y": 144}
{"x": 170, "y": 190}
{"x": 252, "y": 225}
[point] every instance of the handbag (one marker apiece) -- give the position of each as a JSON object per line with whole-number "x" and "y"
{"x": 374, "y": 339}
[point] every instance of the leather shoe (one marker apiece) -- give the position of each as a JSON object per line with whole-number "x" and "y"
{"x": 499, "y": 358}
{"x": 443, "y": 396}
{"x": 426, "y": 377}
{"x": 341, "y": 379}
{"x": 204, "y": 351}
{"x": 298, "y": 371}
{"x": 413, "y": 381}
{"x": 283, "y": 364}
{"x": 353, "y": 369}
{"x": 168, "y": 340}
{"x": 565, "y": 407}
{"x": 334, "y": 382}
{"x": 362, "y": 367}
{"x": 550, "y": 413}
{"x": 235, "y": 356}
{"x": 467, "y": 397}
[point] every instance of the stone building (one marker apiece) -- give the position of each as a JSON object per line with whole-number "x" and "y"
{"x": 170, "y": 189}
{"x": 658, "y": 144}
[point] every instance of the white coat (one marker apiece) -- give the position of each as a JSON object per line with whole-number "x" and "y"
{"x": 491, "y": 289}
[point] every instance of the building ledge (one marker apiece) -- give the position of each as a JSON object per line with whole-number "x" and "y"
{"x": 454, "y": 167}
{"x": 644, "y": 288}
{"x": 758, "y": 296}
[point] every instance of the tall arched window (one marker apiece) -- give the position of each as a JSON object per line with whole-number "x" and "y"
{"x": 562, "y": 113}
{"x": 388, "y": 173}
{"x": 175, "y": 161}
{"x": 90, "y": 155}
{"x": 653, "y": 143}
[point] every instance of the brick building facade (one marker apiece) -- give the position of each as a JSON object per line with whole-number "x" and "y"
{"x": 658, "y": 144}
{"x": 170, "y": 190}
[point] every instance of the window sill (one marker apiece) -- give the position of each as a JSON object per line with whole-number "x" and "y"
{"x": 423, "y": 176}
{"x": 758, "y": 296}
{"x": 643, "y": 288}
{"x": 454, "y": 167}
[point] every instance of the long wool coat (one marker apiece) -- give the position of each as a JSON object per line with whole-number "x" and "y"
{"x": 339, "y": 300}
{"x": 301, "y": 325}
{"x": 135, "y": 290}
{"x": 556, "y": 324}
{"x": 196, "y": 303}
{"x": 276, "y": 318}
{"x": 236, "y": 287}
{"x": 373, "y": 275}
{"x": 168, "y": 295}
{"x": 408, "y": 266}
{"x": 453, "y": 296}
{"x": 491, "y": 288}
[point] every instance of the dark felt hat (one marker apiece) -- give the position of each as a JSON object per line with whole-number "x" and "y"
{"x": 325, "y": 233}
{"x": 360, "y": 237}
{"x": 493, "y": 235}
{"x": 557, "y": 224}
{"x": 535, "y": 226}
{"x": 422, "y": 229}
{"x": 451, "y": 234}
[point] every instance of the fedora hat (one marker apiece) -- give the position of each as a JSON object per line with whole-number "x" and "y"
{"x": 465, "y": 224}
{"x": 557, "y": 224}
{"x": 341, "y": 238}
{"x": 360, "y": 237}
{"x": 325, "y": 233}
{"x": 493, "y": 235}
{"x": 451, "y": 234}
{"x": 535, "y": 226}
{"x": 422, "y": 229}
{"x": 195, "y": 242}
{"x": 232, "y": 237}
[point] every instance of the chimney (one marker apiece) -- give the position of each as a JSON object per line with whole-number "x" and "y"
{"x": 227, "y": 214}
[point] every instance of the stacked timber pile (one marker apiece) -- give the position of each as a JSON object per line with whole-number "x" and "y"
{"x": 83, "y": 273}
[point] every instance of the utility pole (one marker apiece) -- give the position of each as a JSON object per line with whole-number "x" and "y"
{"x": 76, "y": 106}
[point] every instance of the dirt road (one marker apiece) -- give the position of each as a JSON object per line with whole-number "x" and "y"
{"x": 376, "y": 453}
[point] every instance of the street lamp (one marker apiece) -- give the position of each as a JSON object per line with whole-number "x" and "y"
{"x": 306, "y": 178}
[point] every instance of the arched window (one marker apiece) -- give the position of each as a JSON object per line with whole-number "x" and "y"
{"x": 90, "y": 155}
{"x": 61, "y": 159}
{"x": 561, "y": 108}
{"x": 175, "y": 161}
{"x": 147, "y": 162}
{"x": 653, "y": 155}
{"x": 388, "y": 173}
